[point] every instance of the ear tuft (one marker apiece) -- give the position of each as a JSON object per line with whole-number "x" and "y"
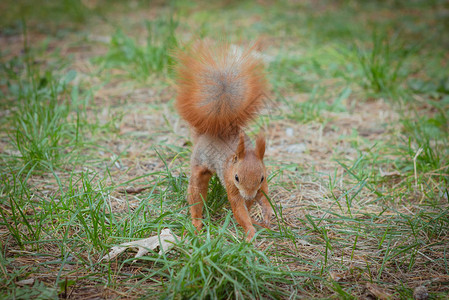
{"x": 240, "y": 153}
{"x": 260, "y": 146}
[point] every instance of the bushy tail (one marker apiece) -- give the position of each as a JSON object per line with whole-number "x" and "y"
{"x": 220, "y": 89}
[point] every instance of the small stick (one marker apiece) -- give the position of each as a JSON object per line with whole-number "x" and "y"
{"x": 414, "y": 165}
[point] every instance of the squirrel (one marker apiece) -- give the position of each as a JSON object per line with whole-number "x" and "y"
{"x": 219, "y": 90}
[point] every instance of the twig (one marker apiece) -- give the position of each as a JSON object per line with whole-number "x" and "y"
{"x": 414, "y": 165}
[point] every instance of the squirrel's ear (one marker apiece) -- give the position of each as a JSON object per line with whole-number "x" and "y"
{"x": 260, "y": 146}
{"x": 240, "y": 153}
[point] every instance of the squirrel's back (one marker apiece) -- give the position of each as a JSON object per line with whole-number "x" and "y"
{"x": 220, "y": 89}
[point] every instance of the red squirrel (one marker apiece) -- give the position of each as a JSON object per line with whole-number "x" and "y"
{"x": 220, "y": 90}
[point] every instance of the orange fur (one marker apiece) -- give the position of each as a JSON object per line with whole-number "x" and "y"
{"x": 219, "y": 89}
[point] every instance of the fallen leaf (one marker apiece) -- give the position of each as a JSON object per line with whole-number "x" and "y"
{"x": 166, "y": 238}
{"x": 336, "y": 276}
{"x": 28, "y": 281}
{"x": 378, "y": 292}
{"x": 132, "y": 190}
{"x": 389, "y": 174}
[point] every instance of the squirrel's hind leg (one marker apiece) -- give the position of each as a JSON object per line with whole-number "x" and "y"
{"x": 197, "y": 193}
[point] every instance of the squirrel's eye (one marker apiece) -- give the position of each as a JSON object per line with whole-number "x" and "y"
{"x": 236, "y": 178}
{"x": 262, "y": 179}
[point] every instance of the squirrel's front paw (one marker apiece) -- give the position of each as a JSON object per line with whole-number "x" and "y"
{"x": 250, "y": 234}
{"x": 198, "y": 225}
{"x": 267, "y": 214}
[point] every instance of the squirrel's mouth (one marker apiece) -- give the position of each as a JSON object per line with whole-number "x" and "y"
{"x": 247, "y": 196}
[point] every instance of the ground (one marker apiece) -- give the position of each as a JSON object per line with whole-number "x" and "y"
{"x": 93, "y": 153}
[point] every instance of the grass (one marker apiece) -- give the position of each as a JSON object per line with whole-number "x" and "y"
{"x": 142, "y": 62}
{"x": 383, "y": 65}
{"x": 92, "y": 153}
{"x": 315, "y": 107}
{"x": 41, "y": 125}
{"x": 225, "y": 267}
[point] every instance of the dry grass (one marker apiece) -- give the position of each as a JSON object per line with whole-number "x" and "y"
{"x": 350, "y": 217}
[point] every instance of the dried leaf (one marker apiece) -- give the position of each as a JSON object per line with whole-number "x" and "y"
{"x": 389, "y": 174}
{"x": 336, "y": 276}
{"x": 132, "y": 190}
{"x": 29, "y": 281}
{"x": 378, "y": 292}
{"x": 167, "y": 238}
